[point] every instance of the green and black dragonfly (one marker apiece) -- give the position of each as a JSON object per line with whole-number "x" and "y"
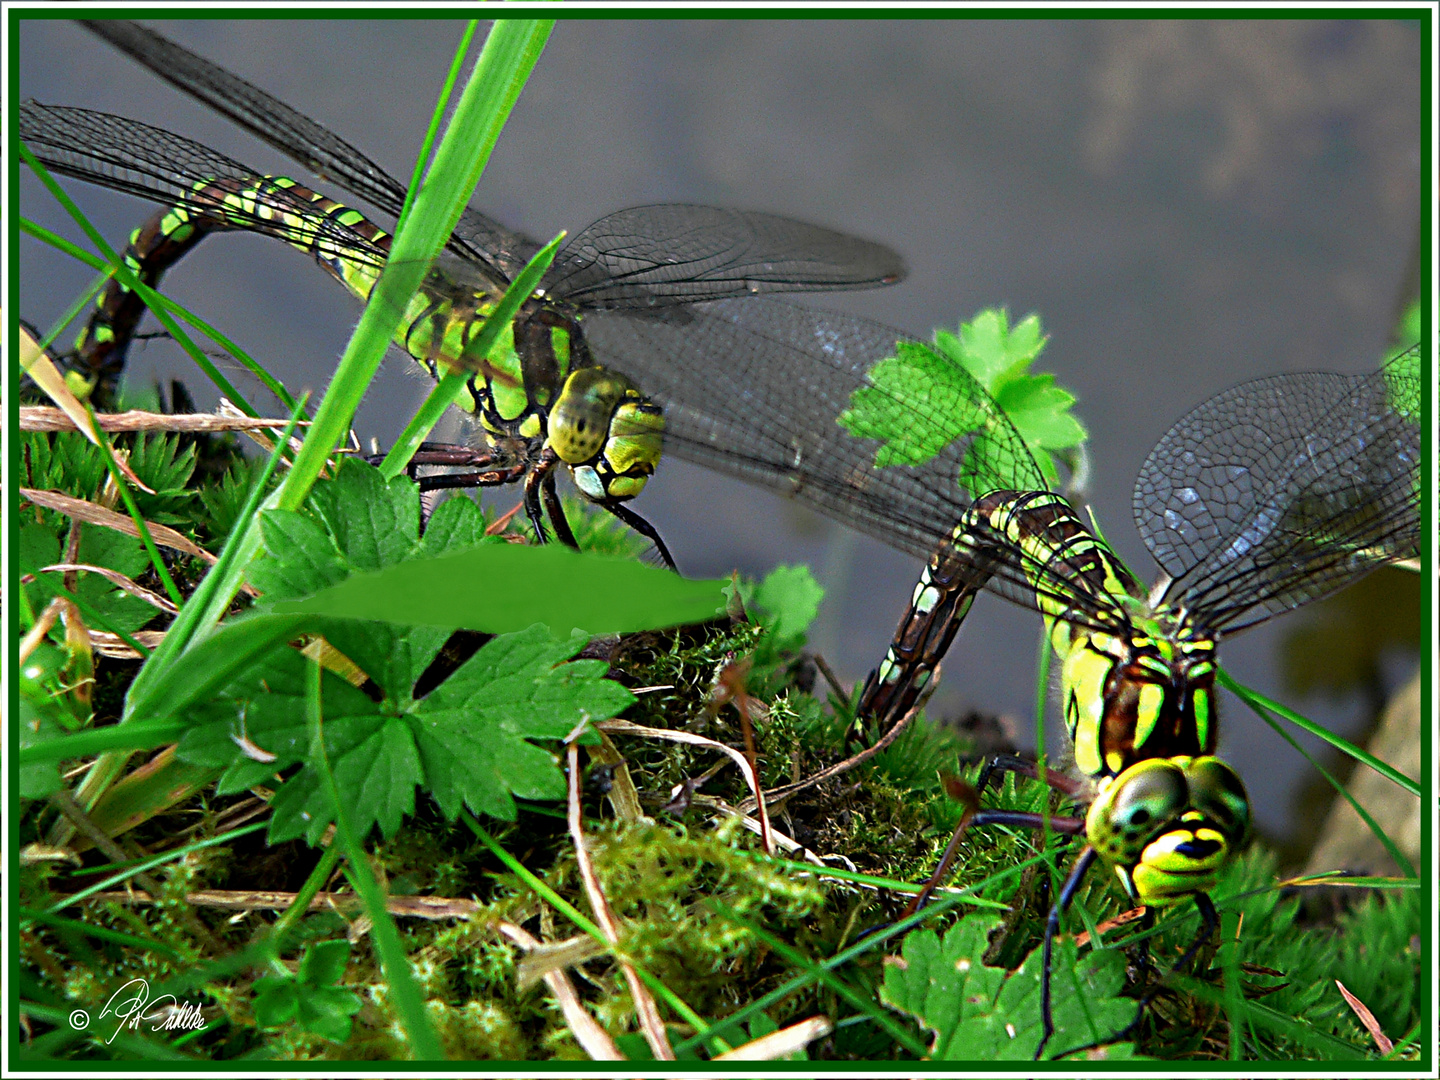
{"x": 1268, "y": 496}
{"x": 540, "y": 395}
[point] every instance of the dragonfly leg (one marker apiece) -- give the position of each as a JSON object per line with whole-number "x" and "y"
{"x": 974, "y": 818}
{"x": 1052, "y": 927}
{"x": 488, "y": 468}
{"x": 1059, "y": 781}
{"x": 644, "y": 528}
{"x": 1209, "y": 923}
{"x": 552, "y": 504}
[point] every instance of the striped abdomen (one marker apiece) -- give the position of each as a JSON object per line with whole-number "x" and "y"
{"x": 1127, "y": 694}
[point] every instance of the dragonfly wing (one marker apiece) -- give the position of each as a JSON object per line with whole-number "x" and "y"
{"x": 154, "y": 164}
{"x": 1284, "y": 489}
{"x": 478, "y": 239}
{"x": 755, "y": 389}
{"x": 649, "y": 256}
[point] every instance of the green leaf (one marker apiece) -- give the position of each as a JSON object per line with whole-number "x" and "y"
{"x": 38, "y": 545}
{"x": 468, "y": 741}
{"x": 787, "y": 601}
{"x": 312, "y": 997}
{"x": 224, "y": 501}
{"x": 41, "y": 778}
{"x": 973, "y": 386}
{"x": 990, "y": 350}
{"x": 916, "y": 382}
{"x": 981, "y": 1013}
{"x": 456, "y": 578}
{"x": 324, "y": 963}
{"x": 999, "y": 357}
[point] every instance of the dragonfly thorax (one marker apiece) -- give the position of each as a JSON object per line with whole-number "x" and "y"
{"x": 1132, "y": 696}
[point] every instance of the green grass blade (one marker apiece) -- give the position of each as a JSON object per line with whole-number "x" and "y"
{"x": 510, "y": 53}
{"x": 1264, "y": 707}
{"x": 173, "y": 855}
{"x": 409, "y": 1003}
{"x": 211, "y": 599}
{"x": 437, "y": 117}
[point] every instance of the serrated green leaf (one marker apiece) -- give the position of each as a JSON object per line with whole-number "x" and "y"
{"x": 156, "y": 458}
{"x": 1039, "y": 410}
{"x": 981, "y": 1013}
{"x": 915, "y": 382}
{"x": 276, "y": 1001}
{"x": 457, "y": 523}
{"x": 302, "y": 558}
{"x": 375, "y": 523}
{"x": 999, "y": 358}
{"x": 224, "y": 500}
{"x": 468, "y": 741}
{"x": 517, "y": 688}
{"x": 990, "y": 350}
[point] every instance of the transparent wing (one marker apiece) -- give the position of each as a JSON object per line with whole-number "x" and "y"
{"x": 674, "y": 253}
{"x": 478, "y": 239}
{"x": 1281, "y": 490}
{"x": 638, "y": 258}
{"x": 138, "y": 159}
{"x": 754, "y": 389}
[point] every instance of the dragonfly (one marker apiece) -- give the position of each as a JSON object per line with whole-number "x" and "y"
{"x": 540, "y": 396}
{"x": 1266, "y": 497}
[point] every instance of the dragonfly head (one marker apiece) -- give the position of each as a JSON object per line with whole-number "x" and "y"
{"x": 1168, "y": 826}
{"x": 607, "y": 432}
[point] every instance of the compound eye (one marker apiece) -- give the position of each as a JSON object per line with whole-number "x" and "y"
{"x": 1217, "y": 791}
{"x": 1138, "y": 806}
{"x": 1149, "y": 794}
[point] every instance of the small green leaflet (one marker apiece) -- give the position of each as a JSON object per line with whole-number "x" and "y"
{"x": 938, "y": 388}
{"x": 981, "y": 1013}
{"x": 312, "y": 998}
{"x": 786, "y": 603}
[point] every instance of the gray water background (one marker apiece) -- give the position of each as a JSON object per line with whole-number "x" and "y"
{"x": 1186, "y": 204}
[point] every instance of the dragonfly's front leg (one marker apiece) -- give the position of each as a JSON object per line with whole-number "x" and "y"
{"x": 488, "y": 467}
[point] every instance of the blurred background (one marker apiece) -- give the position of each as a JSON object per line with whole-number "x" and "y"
{"x": 1185, "y": 204}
